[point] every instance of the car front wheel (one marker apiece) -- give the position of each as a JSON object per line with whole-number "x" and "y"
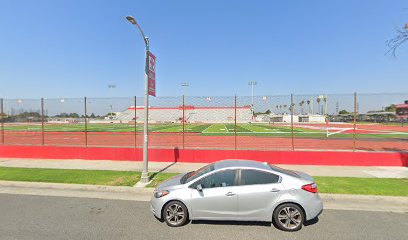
{"x": 175, "y": 214}
{"x": 289, "y": 217}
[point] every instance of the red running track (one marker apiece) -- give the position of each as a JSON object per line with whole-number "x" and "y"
{"x": 196, "y": 141}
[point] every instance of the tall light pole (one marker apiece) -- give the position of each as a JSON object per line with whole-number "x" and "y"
{"x": 185, "y": 85}
{"x": 145, "y": 173}
{"x": 111, "y": 86}
{"x": 252, "y": 84}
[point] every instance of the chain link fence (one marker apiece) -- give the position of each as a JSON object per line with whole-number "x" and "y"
{"x": 356, "y": 122}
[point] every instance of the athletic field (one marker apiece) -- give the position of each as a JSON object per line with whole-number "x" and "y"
{"x": 368, "y": 137}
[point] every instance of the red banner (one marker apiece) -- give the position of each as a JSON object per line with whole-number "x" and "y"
{"x": 151, "y": 74}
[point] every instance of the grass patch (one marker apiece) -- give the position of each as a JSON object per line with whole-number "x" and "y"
{"x": 95, "y": 177}
{"x": 159, "y": 178}
{"x": 364, "y": 186}
{"x": 335, "y": 185}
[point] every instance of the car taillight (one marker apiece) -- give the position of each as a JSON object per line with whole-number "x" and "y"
{"x": 310, "y": 187}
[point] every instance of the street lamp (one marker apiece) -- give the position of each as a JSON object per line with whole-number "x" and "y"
{"x": 145, "y": 175}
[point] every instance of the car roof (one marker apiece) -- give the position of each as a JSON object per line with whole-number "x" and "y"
{"x": 240, "y": 163}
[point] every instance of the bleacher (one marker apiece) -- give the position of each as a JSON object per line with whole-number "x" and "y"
{"x": 192, "y": 114}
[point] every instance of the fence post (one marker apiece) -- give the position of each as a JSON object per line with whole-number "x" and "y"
{"x": 183, "y": 118}
{"x": 86, "y": 124}
{"x": 291, "y": 120}
{"x": 42, "y": 122}
{"x": 235, "y": 124}
{"x": 354, "y": 121}
{"x": 135, "y": 124}
{"x": 2, "y": 120}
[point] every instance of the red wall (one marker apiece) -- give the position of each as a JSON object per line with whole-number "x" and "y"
{"x": 204, "y": 156}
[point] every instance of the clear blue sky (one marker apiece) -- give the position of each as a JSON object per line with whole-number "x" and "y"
{"x": 76, "y": 48}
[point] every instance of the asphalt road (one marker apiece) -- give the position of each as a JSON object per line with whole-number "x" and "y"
{"x": 35, "y": 217}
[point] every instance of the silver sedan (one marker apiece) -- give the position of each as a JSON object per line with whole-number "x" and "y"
{"x": 238, "y": 190}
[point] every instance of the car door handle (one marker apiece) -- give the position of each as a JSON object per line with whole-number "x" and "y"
{"x": 275, "y": 190}
{"x": 229, "y": 194}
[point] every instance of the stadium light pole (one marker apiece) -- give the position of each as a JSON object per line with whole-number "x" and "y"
{"x": 185, "y": 85}
{"x": 111, "y": 86}
{"x": 252, "y": 84}
{"x": 145, "y": 173}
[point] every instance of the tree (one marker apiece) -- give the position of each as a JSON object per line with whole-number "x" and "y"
{"x": 325, "y": 103}
{"x": 308, "y": 104}
{"x": 390, "y": 108}
{"x": 343, "y": 112}
{"x": 318, "y": 103}
{"x": 301, "y": 105}
{"x": 394, "y": 43}
{"x": 67, "y": 115}
{"x": 268, "y": 112}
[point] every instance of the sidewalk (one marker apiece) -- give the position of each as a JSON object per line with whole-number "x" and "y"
{"x": 171, "y": 167}
{"x": 331, "y": 201}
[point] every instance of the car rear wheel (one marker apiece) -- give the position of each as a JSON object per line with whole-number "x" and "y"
{"x": 175, "y": 214}
{"x": 289, "y": 217}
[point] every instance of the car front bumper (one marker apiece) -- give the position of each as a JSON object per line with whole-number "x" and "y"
{"x": 156, "y": 205}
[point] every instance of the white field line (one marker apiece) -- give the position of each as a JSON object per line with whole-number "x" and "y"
{"x": 205, "y": 130}
{"x": 340, "y": 128}
{"x": 225, "y": 125}
{"x": 328, "y": 133}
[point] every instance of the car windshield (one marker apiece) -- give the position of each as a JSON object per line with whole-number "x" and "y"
{"x": 198, "y": 173}
{"x": 284, "y": 171}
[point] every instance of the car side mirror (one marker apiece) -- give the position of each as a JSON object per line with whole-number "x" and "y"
{"x": 199, "y": 187}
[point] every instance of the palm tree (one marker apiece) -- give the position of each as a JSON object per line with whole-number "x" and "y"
{"x": 284, "y": 107}
{"x": 308, "y": 104}
{"x": 292, "y": 107}
{"x": 301, "y": 106}
{"x": 325, "y": 104}
{"x": 318, "y": 104}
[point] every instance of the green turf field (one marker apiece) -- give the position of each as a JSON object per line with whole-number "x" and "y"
{"x": 217, "y": 129}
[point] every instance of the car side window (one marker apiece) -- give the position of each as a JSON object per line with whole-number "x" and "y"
{"x": 251, "y": 177}
{"x": 219, "y": 179}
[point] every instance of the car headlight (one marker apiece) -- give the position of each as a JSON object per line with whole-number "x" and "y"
{"x": 159, "y": 194}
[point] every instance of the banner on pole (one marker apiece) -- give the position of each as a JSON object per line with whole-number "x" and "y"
{"x": 151, "y": 74}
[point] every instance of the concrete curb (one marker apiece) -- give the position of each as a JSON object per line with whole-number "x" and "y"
{"x": 365, "y": 202}
{"x": 76, "y": 190}
{"x": 331, "y": 201}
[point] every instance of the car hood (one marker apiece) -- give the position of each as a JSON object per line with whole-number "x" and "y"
{"x": 172, "y": 183}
